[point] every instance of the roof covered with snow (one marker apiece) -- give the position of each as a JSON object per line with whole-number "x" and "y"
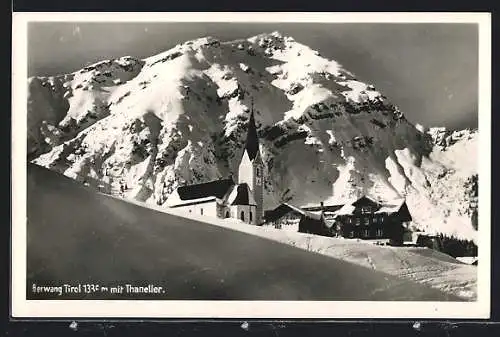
{"x": 347, "y": 209}
{"x": 286, "y": 208}
{"x": 326, "y": 208}
{"x": 295, "y": 208}
{"x": 391, "y": 208}
{"x": 350, "y": 206}
{"x": 313, "y": 215}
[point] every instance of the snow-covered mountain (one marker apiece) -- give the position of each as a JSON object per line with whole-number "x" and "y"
{"x": 180, "y": 117}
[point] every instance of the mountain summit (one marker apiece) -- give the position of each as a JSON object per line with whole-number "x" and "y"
{"x": 144, "y": 127}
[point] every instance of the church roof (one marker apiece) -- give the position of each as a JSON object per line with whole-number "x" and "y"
{"x": 216, "y": 188}
{"x": 225, "y": 189}
{"x": 241, "y": 195}
{"x": 252, "y": 142}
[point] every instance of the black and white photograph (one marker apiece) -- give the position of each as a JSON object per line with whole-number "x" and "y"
{"x": 251, "y": 165}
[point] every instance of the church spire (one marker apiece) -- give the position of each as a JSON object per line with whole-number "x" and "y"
{"x": 252, "y": 143}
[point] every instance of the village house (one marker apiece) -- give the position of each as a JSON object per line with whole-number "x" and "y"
{"x": 311, "y": 224}
{"x": 287, "y": 216}
{"x": 224, "y": 198}
{"x": 315, "y": 223}
{"x": 283, "y": 216}
{"x": 367, "y": 218}
{"x": 363, "y": 218}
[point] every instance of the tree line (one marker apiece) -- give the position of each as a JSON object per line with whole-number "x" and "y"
{"x": 456, "y": 247}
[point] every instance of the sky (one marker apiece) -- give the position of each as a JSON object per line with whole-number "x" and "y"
{"x": 429, "y": 70}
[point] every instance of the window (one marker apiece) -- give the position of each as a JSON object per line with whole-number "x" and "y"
{"x": 358, "y": 221}
{"x": 375, "y": 219}
{"x": 366, "y": 221}
{"x": 227, "y": 214}
{"x": 366, "y": 233}
{"x": 250, "y": 215}
{"x": 257, "y": 171}
{"x": 242, "y": 216}
{"x": 201, "y": 211}
{"x": 380, "y": 232}
{"x": 351, "y": 234}
{"x": 365, "y": 209}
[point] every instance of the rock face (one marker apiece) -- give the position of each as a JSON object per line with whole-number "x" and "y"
{"x": 142, "y": 127}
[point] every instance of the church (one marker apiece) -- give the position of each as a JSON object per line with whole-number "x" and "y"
{"x": 224, "y": 198}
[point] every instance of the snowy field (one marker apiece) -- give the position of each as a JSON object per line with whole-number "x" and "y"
{"x": 421, "y": 265}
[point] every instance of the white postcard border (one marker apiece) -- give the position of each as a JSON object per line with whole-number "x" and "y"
{"x": 21, "y": 307}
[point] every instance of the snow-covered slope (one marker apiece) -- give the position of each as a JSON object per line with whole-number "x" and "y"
{"x": 422, "y": 265}
{"x": 180, "y": 117}
{"x": 418, "y": 264}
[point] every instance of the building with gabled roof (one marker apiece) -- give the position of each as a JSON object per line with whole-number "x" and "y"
{"x": 224, "y": 198}
{"x": 363, "y": 218}
{"x": 367, "y": 218}
{"x": 284, "y": 216}
{"x": 217, "y": 189}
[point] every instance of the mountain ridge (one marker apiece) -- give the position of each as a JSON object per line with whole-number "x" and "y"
{"x": 180, "y": 116}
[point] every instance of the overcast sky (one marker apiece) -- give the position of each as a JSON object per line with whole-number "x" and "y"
{"x": 429, "y": 70}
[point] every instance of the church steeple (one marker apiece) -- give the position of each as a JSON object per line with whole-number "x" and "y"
{"x": 252, "y": 142}
{"x": 251, "y": 169}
